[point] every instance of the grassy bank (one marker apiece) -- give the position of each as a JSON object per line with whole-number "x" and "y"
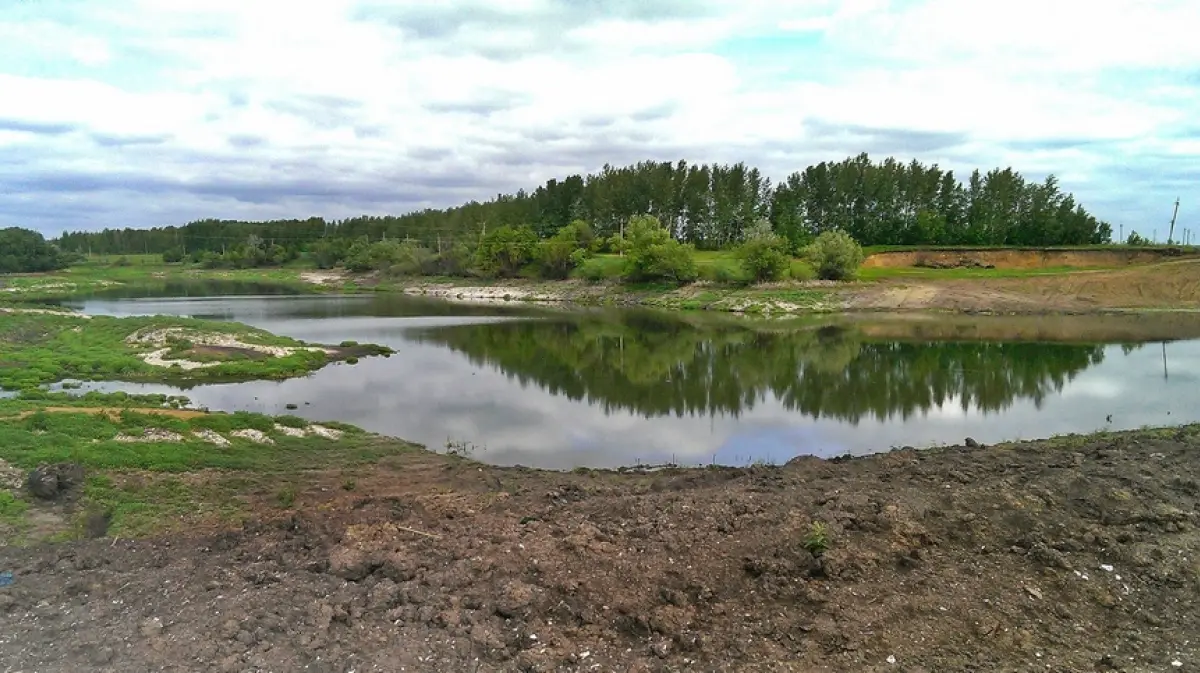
{"x": 150, "y": 467}
{"x": 45, "y": 345}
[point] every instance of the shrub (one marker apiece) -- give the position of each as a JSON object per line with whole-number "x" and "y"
{"x": 503, "y": 251}
{"x": 763, "y": 255}
{"x": 564, "y": 251}
{"x": 455, "y": 260}
{"x": 412, "y": 259}
{"x": 173, "y": 256}
{"x": 835, "y": 256}
{"x": 122, "y": 261}
{"x": 654, "y": 255}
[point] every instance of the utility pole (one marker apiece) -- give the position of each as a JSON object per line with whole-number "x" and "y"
{"x": 1122, "y": 233}
{"x": 1173, "y": 216}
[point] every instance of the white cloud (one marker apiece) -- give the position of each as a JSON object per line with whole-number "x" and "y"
{"x": 379, "y": 94}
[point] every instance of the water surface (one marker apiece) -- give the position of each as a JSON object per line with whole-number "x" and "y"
{"x": 604, "y": 388}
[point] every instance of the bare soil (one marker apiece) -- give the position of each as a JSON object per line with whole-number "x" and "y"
{"x": 1075, "y": 554}
{"x": 1018, "y": 258}
{"x": 1168, "y": 285}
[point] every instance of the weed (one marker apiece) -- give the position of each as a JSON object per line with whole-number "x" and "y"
{"x": 12, "y": 508}
{"x": 348, "y": 484}
{"x": 286, "y": 496}
{"x": 816, "y": 541}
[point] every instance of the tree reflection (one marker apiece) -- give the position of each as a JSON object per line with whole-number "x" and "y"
{"x": 656, "y": 365}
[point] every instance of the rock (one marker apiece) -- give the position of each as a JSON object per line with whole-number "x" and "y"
{"x": 971, "y": 443}
{"x": 43, "y": 484}
{"x": 151, "y": 627}
{"x": 50, "y": 481}
{"x": 661, "y": 649}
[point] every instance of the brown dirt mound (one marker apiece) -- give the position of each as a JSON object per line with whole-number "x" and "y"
{"x": 1013, "y": 258}
{"x": 1068, "y": 556}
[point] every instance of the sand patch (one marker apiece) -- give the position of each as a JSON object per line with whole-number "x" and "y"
{"x": 289, "y": 431}
{"x": 160, "y": 337}
{"x": 211, "y": 437}
{"x": 327, "y": 433}
{"x": 322, "y": 277}
{"x": 149, "y": 435}
{"x": 256, "y": 436}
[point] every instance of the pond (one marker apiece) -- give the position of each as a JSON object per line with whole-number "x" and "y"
{"x": 517, "y": 384}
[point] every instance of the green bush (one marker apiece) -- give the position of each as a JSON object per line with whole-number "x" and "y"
{"x": 594, "y": 269}
{"x": 413, "y": 259}
{"x": 764, "y": 254}
{"x": 503, "y": 251}
{"x": 653, "y": 255}
{"x": 835, "y": 256}
{"x": 566, "y": 250}
{"x": 173, "y": 256}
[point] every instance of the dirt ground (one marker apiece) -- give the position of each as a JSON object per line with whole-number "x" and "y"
{"x": 1075, "y": 554}
{"x": 1168, "y": 285}
{"x": 1019, "y": 258}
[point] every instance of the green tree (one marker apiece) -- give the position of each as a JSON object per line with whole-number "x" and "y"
{"x": 764, "y": 254}
{"x": 835, "y": 256}
{"x": 653, "y": 255}
{"x": 26, "y": 251}
{"x": 503, "y": 251}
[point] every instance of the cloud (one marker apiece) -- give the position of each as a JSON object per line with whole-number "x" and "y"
{"x": 234, "y": 109}
{"x": 35, "y": 128}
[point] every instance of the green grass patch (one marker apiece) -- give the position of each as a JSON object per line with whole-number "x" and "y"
{"x": 12, "y": 509}
{"x": 38, "y": 348}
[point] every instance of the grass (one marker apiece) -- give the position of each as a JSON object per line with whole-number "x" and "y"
{"x": 38, "y": 348}
{"x": 145, "y": 274}
{"x": 158, "y": 486}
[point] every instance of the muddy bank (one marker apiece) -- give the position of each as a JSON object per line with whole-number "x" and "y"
{"x": 1077, "y": 554}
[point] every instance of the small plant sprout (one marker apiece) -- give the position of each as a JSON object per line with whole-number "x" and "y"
{"x": 816, "y": 541}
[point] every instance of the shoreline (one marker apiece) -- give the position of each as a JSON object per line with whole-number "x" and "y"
{"x": 1006, "y": 556}
{"x": 1170, "y": 286}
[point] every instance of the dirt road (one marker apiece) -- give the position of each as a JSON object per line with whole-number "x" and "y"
{"x": 1068, "y": 555}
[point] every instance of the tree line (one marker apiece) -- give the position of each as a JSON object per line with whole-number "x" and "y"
{"x": 709, "y": 206}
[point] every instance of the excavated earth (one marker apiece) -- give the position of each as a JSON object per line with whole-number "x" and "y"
{"x": 1074, "y": 554}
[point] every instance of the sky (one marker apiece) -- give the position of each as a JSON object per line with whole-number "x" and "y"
{"x": 154, "y": 112}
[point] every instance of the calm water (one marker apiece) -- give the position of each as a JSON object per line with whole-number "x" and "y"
{"x": 608, "y": 388}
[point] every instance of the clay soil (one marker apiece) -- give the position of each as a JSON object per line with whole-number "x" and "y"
{"x": 1075, "y": 554}
{"x": 1168, "y": 285}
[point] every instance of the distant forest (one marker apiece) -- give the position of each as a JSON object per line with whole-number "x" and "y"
{"x": 710, "y": 206}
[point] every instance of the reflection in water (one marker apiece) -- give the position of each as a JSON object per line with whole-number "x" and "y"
{"x": 608, "y": 388}
{"x": 654, "y": 366}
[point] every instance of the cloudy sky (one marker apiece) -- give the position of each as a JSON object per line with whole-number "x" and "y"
{"x": 152, "y": 112}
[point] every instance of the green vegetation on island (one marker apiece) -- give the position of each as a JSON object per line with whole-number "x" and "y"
{"x": 44, "y": 345}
